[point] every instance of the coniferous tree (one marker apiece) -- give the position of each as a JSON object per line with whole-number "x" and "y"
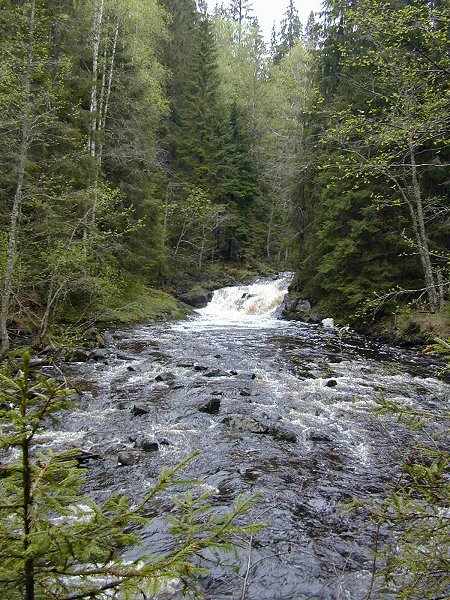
{"x": 274, "y": 42}
{"x": 199, "y": 142}
{"x": 312, "y": 32}
{"x": 291, "y": 30}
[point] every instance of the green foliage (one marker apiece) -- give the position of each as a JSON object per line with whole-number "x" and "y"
{"x": 413, "y": 564}
{"x": 372, "y": 168}
{"x": 57, "y": 543}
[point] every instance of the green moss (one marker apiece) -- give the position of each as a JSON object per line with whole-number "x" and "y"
{"x": 143, "y": 304}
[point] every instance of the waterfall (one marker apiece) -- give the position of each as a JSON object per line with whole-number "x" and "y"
{"x": 259, "y": 300}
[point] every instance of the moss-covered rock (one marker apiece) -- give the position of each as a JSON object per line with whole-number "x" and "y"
{"x": 146, "y": 305}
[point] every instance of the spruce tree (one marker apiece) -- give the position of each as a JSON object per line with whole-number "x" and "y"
{"x": 55, "y": 542}
{"x": 312, "y": 32}
{"x": 198, "y": 132}
{"x": 274, "y": 42}
{"x": 291, "y": 30}
{"x": 239, "y": 186}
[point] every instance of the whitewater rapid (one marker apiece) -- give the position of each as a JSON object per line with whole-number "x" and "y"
{"x": 294, "y": 424}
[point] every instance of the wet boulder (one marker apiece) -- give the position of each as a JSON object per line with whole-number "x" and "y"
{"x": 216, "y": 373}
{"x": 99, "y": 354}
{"x": 147, "y": 444}
{"x": 211, "y": 407}
{"x": 318, "y": 437}
{"x": 139, "y": 410}
{"x": 167, "y": 377}
{"x": 283, "y": 434}
{"x": 261, "y": 427}
{"x": 128, "y": 458}
{"x": 196, "y": 298}
{"x": 200, "y": 368}
{"x": 331, "y": 383}
{"x": 243, "y": 423}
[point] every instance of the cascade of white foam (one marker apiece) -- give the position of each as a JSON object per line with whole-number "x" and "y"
{"x": 260, "y": 300}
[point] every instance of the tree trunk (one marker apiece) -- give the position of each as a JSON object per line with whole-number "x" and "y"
{"x": 104, "y": 111}
{"x": 17, "y": 202}
{"x": 421, "y": 234}
{"x": 269, "y": 233}
{"x": 96, "y": 34}
{"x": 93, "y": 111}
{"x": 202, "y": 249}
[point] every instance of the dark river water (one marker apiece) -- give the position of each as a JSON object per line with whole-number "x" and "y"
{"x": 292, "y": 421}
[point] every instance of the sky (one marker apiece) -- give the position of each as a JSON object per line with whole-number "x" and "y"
{"x": 269, "y": 11}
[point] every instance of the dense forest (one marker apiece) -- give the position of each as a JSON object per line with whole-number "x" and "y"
{"x": 145, "y": 144}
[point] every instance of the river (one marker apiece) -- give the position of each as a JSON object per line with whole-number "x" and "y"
{"x": 291, "y": 419}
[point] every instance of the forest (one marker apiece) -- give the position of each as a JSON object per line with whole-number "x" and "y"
{"x": 153, "y": 151}
{"x": 152, "y": 145}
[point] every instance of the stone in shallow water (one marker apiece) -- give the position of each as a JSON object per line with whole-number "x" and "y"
{"x": 139, "y": 410}
{"x": 128, "y": 458}
{"x": 283, "y": 434}
{"x": 317, "y": 436}
{"x": 147, "y": 444}
{"x": 332, "y": 383}
{"x": 216, "y": 373}
{"x": 166, "y": 377}
{"x": 210, "y": 407}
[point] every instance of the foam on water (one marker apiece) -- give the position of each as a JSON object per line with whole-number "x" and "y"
{"x": 243, "y": 306}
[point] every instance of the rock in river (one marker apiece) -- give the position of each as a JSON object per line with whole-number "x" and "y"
{"x": 128, "y": 458}
{"x": 210, "y": 407}
{"x": 139, "y": 410}
{"x": 147, "y": 444}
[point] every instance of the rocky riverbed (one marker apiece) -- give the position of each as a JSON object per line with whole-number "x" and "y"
{"x": 279, "y": 409}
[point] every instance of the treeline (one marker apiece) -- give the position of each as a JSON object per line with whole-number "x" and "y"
{"x": 137, "y": 142}
{"x": 144, "y": 142}
{"x": 371, "y": 188}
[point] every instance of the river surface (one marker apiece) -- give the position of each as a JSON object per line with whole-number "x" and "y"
{"x": 292, "y": 421}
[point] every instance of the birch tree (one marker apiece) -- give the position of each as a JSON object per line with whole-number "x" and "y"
{"x": 401, "y": 72}
{"x": 26, "y": 127}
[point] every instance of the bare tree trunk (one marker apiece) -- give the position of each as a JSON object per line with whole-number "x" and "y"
{"x": 202, "y": 249}
{"x": 441, "y": 288}
{"x": 93, "y": 111}
{"x": 96, "y": 35}
{"x": 17, "y": 202}
{"x": 421, "y": 233}
{"x": 104, "y": 111}
{"x": 269, "y": 232}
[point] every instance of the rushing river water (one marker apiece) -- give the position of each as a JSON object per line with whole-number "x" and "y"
{"x": 292, "y": 421}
